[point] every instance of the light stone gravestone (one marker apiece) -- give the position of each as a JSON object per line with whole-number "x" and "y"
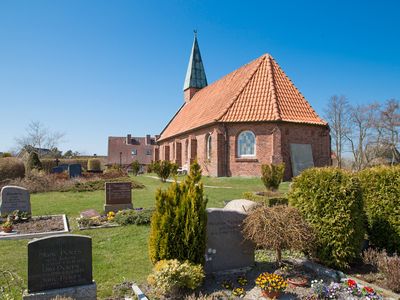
{"x": 226, "y": 248}
{"x": 301, "y": 157}
{"x": 118, "y": 196}
{"x": 60, "y": 265}
{"x": 14, "y": 198}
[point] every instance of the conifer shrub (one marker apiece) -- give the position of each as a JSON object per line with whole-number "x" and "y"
{"x": 94, "y": 164}
{"x": 6, "y": 154}
{"x": 331, "y": 201}
{"x": 33, "y": 162}
{"x": 172, "y": 277}
{"x": 178, "y": 225}
{"x": 272, "y": 175}
{"x": 11, "y": 168}
{"x": 135, "y": 166}
{"x": 381, "y": 194}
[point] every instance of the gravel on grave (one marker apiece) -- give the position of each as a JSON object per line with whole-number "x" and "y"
{"x": 40, "y": 224}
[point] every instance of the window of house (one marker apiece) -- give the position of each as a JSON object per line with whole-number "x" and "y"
{"x": 148, "y": 152}
{"x": 134, "y": 152}
{"x": 208, "y": 147}
{"x": 246, "y": 144}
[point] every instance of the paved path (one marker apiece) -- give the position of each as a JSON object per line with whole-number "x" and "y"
{"x": 207, "y": 186}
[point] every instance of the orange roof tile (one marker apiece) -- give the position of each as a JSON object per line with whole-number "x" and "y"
{"x": 258, "y": 91}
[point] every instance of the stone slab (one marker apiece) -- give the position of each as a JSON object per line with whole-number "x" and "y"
{"x": 226, "y": 248}
{"x": 74, "y": 170}
{"x": 82, "y": 292}
{"x": 90, "y": 213}
{"x": 116, "y": 207}
{"x": 301, "y": 157}
{"x": 14, "y": 198}
{"x": 59, "y": 262}
{"x": 241, "y": 205}
{"x": 118, "y": 192}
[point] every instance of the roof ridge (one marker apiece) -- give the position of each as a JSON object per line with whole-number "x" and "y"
{"x": 234, "y": 98}
{"x": 277, "y": 113}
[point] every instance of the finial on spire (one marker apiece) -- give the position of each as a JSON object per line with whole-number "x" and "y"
{"x": 195, "y": 33}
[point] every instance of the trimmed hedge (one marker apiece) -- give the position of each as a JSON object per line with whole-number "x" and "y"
{"x": 11, "y": 168}
{"x": 94, "y": 164}
{"x": 381, "y": 193}
{"x": 331, "y": 201}
{"x": 268, "y": 201}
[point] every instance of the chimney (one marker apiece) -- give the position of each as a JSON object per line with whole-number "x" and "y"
{"x": 148, "y": 139}
{"x": 128, "y": 139}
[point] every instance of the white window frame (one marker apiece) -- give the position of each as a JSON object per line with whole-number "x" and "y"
{"x": 238, "y": 147}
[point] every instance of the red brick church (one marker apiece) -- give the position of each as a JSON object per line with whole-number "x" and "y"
{"x": 252, "y": 116}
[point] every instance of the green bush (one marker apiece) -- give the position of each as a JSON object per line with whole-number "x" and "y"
{"x": 163, "y": 169}
{"x": 33, "y": 162}
{"x": 170, "y": 277}
{"x": 381, "y": 193}
{"x": 6, "y": 154}
{"x": 272, "y": 175}
{"x": 136, "y": 217}
{"x": 268, "y": 201}
{"x": 94, "y": 164}
{"x": 135, "y": 167}
{"x": 331, "y": 201}
{"x": 178, "y": 226}
{"x": 11, "y": 168}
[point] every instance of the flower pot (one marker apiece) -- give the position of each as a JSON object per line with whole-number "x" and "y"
{"x": 297, "y": 281}
{"x": 270, "y": 294}
{"x": 7, "y": 229}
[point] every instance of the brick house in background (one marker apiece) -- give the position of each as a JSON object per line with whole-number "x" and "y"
{"x": 125, "y": 150}
{"x": 252, "y": 116}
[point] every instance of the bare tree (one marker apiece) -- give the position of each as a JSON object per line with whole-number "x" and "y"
{"x": 337, "y": 115}
{"x": 38, "y": 136}
{"x": 389, "y": 125}
{"x": 361, "y": 137}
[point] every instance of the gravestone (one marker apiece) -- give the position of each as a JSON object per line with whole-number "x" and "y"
{"x": 118, "y": 196}
{"x": 14, "y": 198}
{"x": 74, "y": 170}
{"x": 226, "y": 248}
{"x": 64, "y": 167}
{"x": 301, "y": 157}
{"x": 60, "y": 265}
{"x": 57, "y": 170}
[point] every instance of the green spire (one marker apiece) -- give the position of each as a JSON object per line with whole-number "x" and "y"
{"x": 195, "y": 74}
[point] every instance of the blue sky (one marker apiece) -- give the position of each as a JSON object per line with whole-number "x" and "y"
{"x": 94, "y": 69}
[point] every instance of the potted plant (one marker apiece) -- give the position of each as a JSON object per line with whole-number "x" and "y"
{"x": 7, "y": 226}
{"x": 272, "y": 285}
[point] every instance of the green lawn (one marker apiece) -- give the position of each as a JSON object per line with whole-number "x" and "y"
{"x": 118, "y": 253}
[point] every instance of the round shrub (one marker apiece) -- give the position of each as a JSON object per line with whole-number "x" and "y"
{"x": 135, "y": 166}
{"x": 170, "y": 277}
{"x": 381, "y": 193}
{"x": 331, "y": 201}
{"x": 11, "y": 168}
{"x": 33, "y": 162}
{"x": 94, "y": 164}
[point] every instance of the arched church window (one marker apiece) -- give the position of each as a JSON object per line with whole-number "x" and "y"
{"x": 208, "y": 146}
{"x": 246, "y": 144}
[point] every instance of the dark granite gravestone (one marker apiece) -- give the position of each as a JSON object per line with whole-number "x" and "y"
{"x": 64, "y": 167}
{"x": 74, "y": 170}
{"x": 14, "y": 198}
{"x": 226, "y": 248}
{"x": 301, "y": 157}
{"x": 57, "y": 170}
{"x": 118, "y": 196}
{"x": 59, "y": 262}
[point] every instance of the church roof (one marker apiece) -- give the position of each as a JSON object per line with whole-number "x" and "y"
{"x": 258, "y": 91}
{"x": 195, "y": 74}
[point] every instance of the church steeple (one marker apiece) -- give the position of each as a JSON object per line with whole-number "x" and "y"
{"x": 195, "y": 75}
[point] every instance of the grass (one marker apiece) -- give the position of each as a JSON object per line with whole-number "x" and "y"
{"x": 118, "y": 253}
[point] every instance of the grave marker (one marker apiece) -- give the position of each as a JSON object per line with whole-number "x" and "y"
{"x": 14, "y": 198}
{"x": 74, "y": 170}
{"x": 301, "y": 157}
{"x": 118, "y": 196}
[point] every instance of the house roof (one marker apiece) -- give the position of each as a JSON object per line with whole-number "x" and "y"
{"x": 258, "y": 91}
{"x": 195, "y": 74}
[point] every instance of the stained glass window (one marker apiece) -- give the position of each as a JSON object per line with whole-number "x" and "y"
{"x": 246, "y": 144}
